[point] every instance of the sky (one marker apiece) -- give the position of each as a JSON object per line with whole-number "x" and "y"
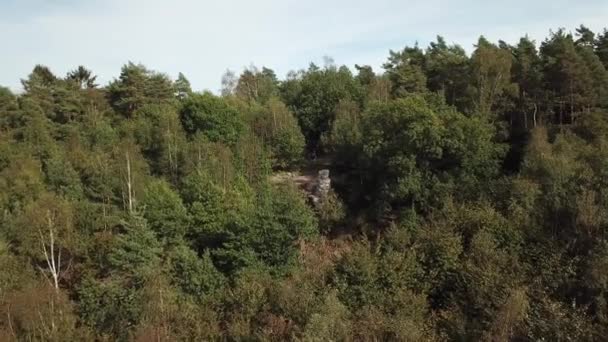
{"x": 202, "y": 39}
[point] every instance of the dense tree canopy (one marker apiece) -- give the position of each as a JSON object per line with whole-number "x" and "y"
{"x": 468, "y": 200}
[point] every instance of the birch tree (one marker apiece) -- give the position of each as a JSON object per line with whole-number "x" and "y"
{"x": 52, "y": 251}
{"x": 491, "y": 75}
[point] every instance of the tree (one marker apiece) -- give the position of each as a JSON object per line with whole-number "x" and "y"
{"x": 447, "y": 69}
{"x": 212, "y": 117}
{"x": 278, "y": 129}
{"x": 314, "y": 96}
{"x": 164, "y": 212}
{"x": 254, "y": 160}
{"x": 381, "y": 295}
{"x": 366, "y": 75}
{"x": 136, "y": 251}
{"x": 9, "y": 109}
{"x": 109, "y": 307}
{"x": 52, "y": 255}
{"x": 491, "y": 73}
{"x": 565, "y": 76}
{"x": 406, "y": 71}
{"x": 346, "y": 134}
{"x": 601, "y": 47}
{"x": 61, "y": 176}
{"x": 195, "y": 276}
{"x": 330, "y": 322}
{"x": 182, "y": 87}
{"x": 39, "y": 88}
{"x": 40, "y": 76}
{"x": 598, "y": 73}
{"x": 229, "y": 82}
{"x": 412, "y": 153}
{"x": 137, "y": 86}
{"x": 129, "y": 167}
{"x": 268, "y": 232}
{"x": 256, "y": 85}
{"x": 207, "y": 206}
{"x": 40, "y": 312}
{"x": 47, "y": 234}
{"x": 83, "y": 77}
{"x": 528, "y": 76}
{"x": 586, "y": 37}
{"x": 158, "y": 130}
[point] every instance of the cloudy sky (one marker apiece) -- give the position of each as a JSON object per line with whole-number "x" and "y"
{"x": 204, "y": 38}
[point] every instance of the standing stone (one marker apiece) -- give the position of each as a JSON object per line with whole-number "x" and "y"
{"x": 323, "y": 184}
{"x": 321, "y": 187}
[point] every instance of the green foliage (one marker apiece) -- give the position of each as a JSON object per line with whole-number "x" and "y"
{"x": 158, "y": 131}
{"x": 413, "y": 154}
{"x": 62, "y": 177}
{"x": 164, "y": 211}
{"x": 345, "y": 137}
{"x": 269, "y": 233}
{"x": 406, "y": 72}
{"x": 331, "y": 212}
{"x": 569, "y": 74}
{"x": 138, "y": 86}
{"x": 206, "y": 206}
{"x": 212, "y": 117}
{"x": 380, "y": 289}
{"x": 330, "y": 323}
{"x": 39, "y": 312}
{"x": 468, "y": 202}
{"x": 314, "y": 95}
{"x": 22, "y": 181}
{"x": 136, "y": 251}
{"x": 356, "y": 278}
{"x": 601, "y": 47}
{"x": 491, "y": 68}
{"x": 108, "y": 307}
{"x": 447, "y": 67}
{"x": 526, "y": 72}
{"x": 83, "y": 77}
{"x": 16, "y": 271}
{"x": 279, "y": 130}
{"x": 182, "y": 87}
{"x": 558, "y": 321}
{"x": 8, "y": 108}
{"x": 253, "y": 160}
{"x": 256, "y": 85}
{"x": 194, "y": 275}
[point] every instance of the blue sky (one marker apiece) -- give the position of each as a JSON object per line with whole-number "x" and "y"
{"x": 204, "y": 38}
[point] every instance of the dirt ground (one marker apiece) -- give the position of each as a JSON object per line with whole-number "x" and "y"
{"x": 305, "y": 178}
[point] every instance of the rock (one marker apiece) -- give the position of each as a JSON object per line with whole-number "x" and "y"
{"x": 321, "y": 187}
{"x": 323, "y": 184}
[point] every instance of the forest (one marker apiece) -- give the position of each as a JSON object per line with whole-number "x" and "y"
{"x": 468, "y": 200}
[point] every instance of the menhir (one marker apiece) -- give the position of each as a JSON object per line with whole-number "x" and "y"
{"x": 321, "y": 187}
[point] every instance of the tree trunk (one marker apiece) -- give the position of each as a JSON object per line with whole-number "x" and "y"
{"x": 51, "y": 255}
{"x": 129, "y": 184}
